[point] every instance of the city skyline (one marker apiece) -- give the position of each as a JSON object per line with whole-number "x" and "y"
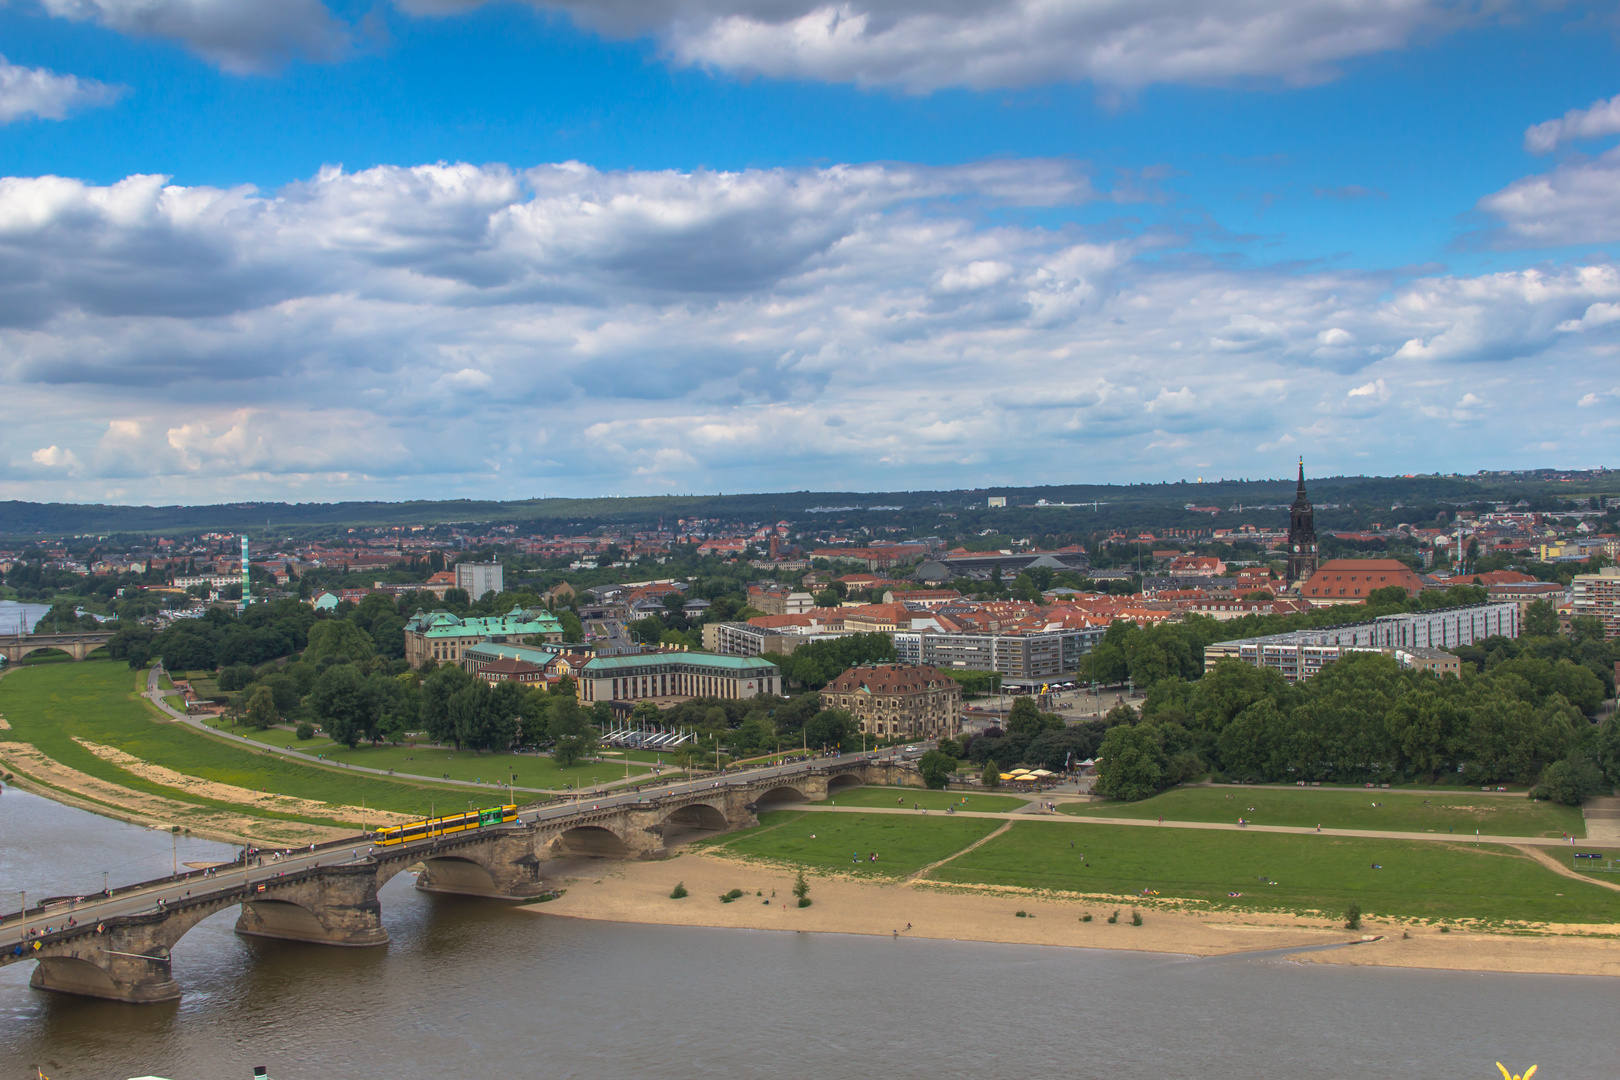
{"x": 442, "y": 249}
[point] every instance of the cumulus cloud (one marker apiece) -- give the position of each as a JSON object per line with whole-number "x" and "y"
{"x": 1601, "y": 118}
{"x": 451, "y": 328}
{"x": 1576, "y": 203}
{"x": 240, "y": 36}
{"x": 920, "y": 47}
{"x": 26, "y": 91}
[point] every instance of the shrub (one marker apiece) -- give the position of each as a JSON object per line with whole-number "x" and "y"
{"x": 804, "y": 901}
{"x": 1352, "y": 917}
{"x": 679, "y": 891}
{"x": 1086, "y": 917}
{"x": 1136, "y": 917}
{"x": 305, "y": 730}
{"x": 730, "y": 896}
{"x": 1021, "y": 914}
{"x": 1114, "y": 918}
{"x": 801, "y": 889}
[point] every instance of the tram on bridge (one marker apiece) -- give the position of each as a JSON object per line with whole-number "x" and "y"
{"x": 444, "y": 826}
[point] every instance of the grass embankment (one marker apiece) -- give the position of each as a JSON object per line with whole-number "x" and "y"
{"x": 1432, "y": 881}
{"x": 99, "y": 702}
{"x": 928, "y": 800}
{"x": 1493, "y": 815}
{"x": 1415, "y": 879}
{"x": 828, "y": 842}
{"x": 425, "y": 759}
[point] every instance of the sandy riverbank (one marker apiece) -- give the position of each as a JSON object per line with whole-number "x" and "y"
{"x": 639, "y": 892}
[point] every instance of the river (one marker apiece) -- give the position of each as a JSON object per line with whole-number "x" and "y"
{"x": 17, "y": 617}
{"x": 474, "y": 989}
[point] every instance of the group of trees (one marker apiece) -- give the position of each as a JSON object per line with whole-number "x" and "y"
{"x": 1521, "y": 718}
{"x": 818, "y": 663}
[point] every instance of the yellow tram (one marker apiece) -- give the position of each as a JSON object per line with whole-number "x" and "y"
{"x": 445, "y": 826}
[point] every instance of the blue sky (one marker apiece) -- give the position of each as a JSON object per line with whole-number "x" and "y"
{"x": 438, "y": 247}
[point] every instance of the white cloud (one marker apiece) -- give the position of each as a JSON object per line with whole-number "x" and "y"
{"x": 1601, "y": 118}
{"x": 239, "y": 36}
{"x": 658, "y": 330}
{"x": 54, "y": 457}
{"x": 26, "y": 91}
{"x": 1577, "y": 203}
{"x": 1595, "y": 316}
{"x": 921, "y": 47}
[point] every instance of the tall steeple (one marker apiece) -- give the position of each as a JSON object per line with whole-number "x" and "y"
{"x": 1301, "y": 532}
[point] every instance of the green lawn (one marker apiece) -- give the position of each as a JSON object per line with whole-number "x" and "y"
{"x": 1417, "y": 879}
{"x": 99, "y": 702}
{"x": 931, "y": 800}
{"x": 826, "y": 842}
{"x": 278, "y": 737}
{"x": 429, "y": 760}
{"x": 1497, "y": 815}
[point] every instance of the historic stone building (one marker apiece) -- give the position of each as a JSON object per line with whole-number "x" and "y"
{"x": 1301, "y": 533}
{"x": 892, "y": 700}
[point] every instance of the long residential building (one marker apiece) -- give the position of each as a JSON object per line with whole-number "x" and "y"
{"x": 1040, "y": 654}
{"x": 1299, "y": 654}
{"x": 670, "y": 677}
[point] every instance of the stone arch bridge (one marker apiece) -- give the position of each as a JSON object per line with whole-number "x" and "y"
{"x": 118, "y": 946}
{"x": 77, "y": 645}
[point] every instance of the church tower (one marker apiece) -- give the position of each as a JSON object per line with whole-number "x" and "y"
{"x": 1301, "y": 533}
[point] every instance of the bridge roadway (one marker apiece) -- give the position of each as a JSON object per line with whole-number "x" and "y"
{"x": 327, "y": 893}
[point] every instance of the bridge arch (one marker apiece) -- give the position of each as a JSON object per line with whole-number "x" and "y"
{"x": 592, "y": 840}
{"x": 458, "y": 874}
{"x": 784, "y": 795}
{"x": 277, "y": 917}
{"x": 844, "y": 781}
{"x": 698, "y": 816}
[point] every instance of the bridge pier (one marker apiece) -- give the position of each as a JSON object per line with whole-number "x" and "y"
{"x": 128, "y": 963}
{"x": 338, "y": 906}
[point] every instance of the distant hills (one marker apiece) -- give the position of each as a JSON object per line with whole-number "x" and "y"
{"x": 1145, "y": 504}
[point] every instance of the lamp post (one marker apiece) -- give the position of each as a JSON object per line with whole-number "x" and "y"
{"x": 24, "y": 894}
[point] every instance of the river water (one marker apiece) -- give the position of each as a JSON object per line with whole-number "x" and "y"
{"x": 474, "y": 988}
{"x": 17, "y": 617}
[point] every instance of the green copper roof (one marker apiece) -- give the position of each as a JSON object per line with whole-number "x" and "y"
{"x": 730, "y": 665}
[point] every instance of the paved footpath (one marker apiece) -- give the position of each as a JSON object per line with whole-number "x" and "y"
{"x": 1221, "y": 826}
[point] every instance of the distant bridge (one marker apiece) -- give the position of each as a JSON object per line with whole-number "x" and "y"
{"x": 119, "y": 944}
{"x": 77, "y": 645}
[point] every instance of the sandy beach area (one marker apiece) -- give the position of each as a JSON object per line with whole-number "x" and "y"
{"x": 639, "y": 892}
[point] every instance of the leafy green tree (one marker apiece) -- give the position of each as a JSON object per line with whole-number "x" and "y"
{"x": 936, "y": 768}
{"x": 1133, "y": 763}
{"x": 471, "y": 715}
{"x": 571, "y": 731}
{"x": 573, "y": 630}
{"x": 1571, "y": 781}
{"x": 1540, "y": 619}
{"x": 443, "y": 683}
{"x": 339, "y": 639}
{"x": 261, "y": 708}
{"x": 991, "y": 777}
{"x": 342, "y": 701}
{"x": 830, "y": 727}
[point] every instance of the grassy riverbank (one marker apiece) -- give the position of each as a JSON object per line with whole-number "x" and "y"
{"x": 532, "y": 770}
{"x": 1426, "y": 881}
{"x": 828, "y": 843}
{"x": 52, "y": 708}
{"x": 1436, "y": 812}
